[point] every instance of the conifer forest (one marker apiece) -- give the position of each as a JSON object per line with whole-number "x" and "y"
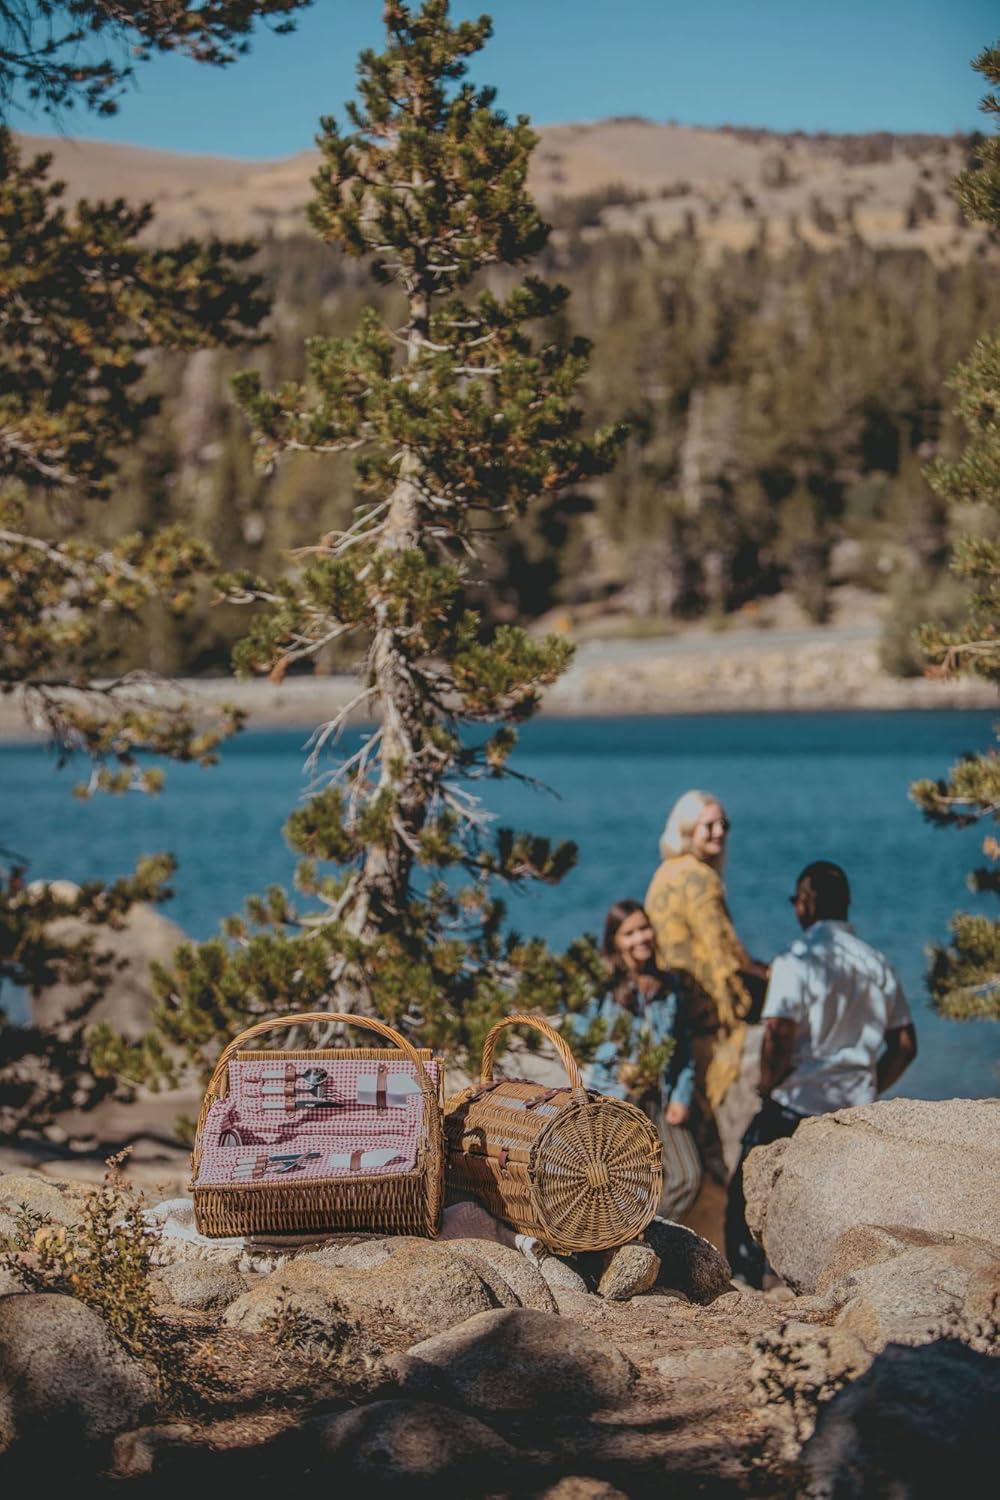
{"x": 782, "y": 408}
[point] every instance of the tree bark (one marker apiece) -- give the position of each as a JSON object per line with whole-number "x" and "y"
{"x": 407, "y": 761}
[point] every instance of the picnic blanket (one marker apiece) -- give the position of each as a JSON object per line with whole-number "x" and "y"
{"x": 178, "y": 1239}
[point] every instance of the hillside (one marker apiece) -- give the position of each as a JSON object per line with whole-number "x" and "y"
{"x": 775, "y": 316}
{"x": 890, "y": 190}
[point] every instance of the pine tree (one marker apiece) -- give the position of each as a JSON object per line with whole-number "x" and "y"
{"x": 803, "y": 546}
{"x": 49, "y": 934}
{"x": 82, "y": 304}
{"x": 965, "y": 975}
{"x": 460, "y": 418}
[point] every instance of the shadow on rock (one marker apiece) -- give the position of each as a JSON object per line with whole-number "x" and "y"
{"x": 920, "y": 1424}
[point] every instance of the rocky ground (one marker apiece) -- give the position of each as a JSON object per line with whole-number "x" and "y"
{"x": 461, "y": 1367}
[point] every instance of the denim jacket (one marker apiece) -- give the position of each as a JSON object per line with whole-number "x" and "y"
{"x": 659, "y": 1018}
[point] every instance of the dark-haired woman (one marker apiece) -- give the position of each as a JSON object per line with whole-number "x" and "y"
{"x": 640, "y": 1050}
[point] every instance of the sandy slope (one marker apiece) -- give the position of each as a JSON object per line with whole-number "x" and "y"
{"x": 728, "y": 181}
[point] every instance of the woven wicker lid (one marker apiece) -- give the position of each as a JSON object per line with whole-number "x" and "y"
{"x": 596, "y": 1173}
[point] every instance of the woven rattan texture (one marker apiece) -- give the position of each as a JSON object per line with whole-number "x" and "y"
{"x": 391, "y": 1203}
{"x": 239, "y": 1188}
{"x": 576, "y": 1169}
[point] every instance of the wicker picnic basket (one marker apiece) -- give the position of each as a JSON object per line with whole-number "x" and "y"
{"x": 575, "y": 1169}
{"x": 294, "y": 1142}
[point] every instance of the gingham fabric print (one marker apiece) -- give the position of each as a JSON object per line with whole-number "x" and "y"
{"x": 308, "y": 1119}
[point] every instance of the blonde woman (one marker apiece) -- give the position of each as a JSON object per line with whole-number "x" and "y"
{"x": 686, "y": 903}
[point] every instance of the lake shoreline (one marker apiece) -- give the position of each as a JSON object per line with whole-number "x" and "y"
{"x": 796, "y": 786}
{"x": 746, "y": 671}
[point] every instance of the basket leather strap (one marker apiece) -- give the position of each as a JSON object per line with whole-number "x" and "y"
{"x": 545, "y": 1098}
{"x": 485, "y": 1088}
{"x": 358, "y": 1153}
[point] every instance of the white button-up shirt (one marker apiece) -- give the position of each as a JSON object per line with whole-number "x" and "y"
{"x": 843, "y": 996}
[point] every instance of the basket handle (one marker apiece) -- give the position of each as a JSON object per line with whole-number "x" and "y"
{"x": 285, "y": 1023}
{"x": 549, "y": 1032}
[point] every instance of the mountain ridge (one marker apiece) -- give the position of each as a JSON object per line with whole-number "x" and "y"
{"x": 630, "y": 174}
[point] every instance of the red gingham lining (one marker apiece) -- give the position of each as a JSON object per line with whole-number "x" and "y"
{"x": 345, "y": 1128}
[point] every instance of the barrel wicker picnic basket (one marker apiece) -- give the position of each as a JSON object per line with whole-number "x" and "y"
{"x": 336, "y": 1138}
{"x": 573, "y": 1168}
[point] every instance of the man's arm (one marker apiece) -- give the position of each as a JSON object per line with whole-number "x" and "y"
{"x": 900, "y": 1050}
{"x": 777, "y": 1053}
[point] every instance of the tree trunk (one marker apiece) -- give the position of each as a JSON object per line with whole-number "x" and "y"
{"x": 408, "y": 763}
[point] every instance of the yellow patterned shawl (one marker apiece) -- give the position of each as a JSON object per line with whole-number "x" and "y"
{"x": 686, "y": 903}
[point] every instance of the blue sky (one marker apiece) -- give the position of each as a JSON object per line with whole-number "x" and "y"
{"x": 898, "y": 65}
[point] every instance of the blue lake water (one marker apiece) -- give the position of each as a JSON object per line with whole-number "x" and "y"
{"x": 797, "y": 787}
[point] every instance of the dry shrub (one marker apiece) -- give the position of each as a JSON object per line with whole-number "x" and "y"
{"x": 104, "y": 1260}
{"x": 302, "y": 1337}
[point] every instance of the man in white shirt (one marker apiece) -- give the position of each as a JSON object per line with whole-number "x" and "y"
{"x": 838, "y": 1032}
